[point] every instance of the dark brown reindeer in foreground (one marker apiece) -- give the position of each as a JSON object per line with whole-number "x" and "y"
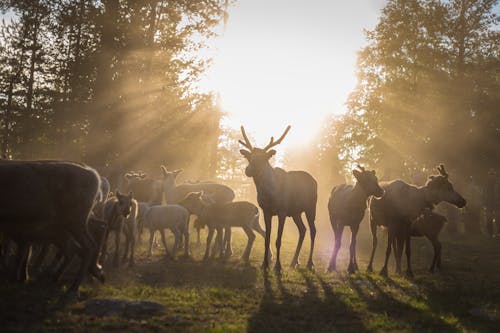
{"x": 282, "y": 193}
{"x": 400, "y": 206}
{"x": 347, "y": 207}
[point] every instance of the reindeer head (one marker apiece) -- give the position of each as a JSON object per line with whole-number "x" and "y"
{"x": 193, "y": 202}
{"x": 258, "y": 158}
{"x": 124, "y": 203}
{"x": 169, "y": 176}
{"x": 440, "y": 189}
{"x": 368, "y": 181}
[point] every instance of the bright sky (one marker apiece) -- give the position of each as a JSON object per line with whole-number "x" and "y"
{"x": 286, "y": 62}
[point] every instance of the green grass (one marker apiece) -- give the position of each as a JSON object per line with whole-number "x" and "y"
{"x": 230, "y": 296}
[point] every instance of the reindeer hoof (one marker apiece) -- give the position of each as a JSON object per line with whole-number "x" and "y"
{"x": 265, "y": 266}
{"x": 369, "y": 269}
{"x": 409, "y": 274}
{"x": 331, "y": 268}
{"x": 351, "y": 270}
{"x": 310, "y": 266}
{"x": 294, "y": 264}
{"x": 383, "y": 272}
{"x": 277, "y": 269}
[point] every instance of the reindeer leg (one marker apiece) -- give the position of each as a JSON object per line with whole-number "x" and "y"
{"x": 337, "y": 231}
{"x": 256, "y": 226}
{"x": 302, "y": 232}
{"x": 352, "y": 250}
{"x": 218, "y": 246}
{"x": 164, "y": 241}
{"x": 104, "y": 245}
{"x": 151, "y": 239}
{"x": 267, "y": 219}
{"x": 310, "y": 215}
{"x": 132, "y": 246}
{"x": 209, "y": 240}
{"x": 227, "y": 242}
{"x": 177, "y": 237}
{"x": 390, "y": 239}
{"x": 398, "y": 251}
{"x": 116, "y": 261}
{"x": 127, "y": 243}
{"x": 23, "y": 252}
{"x": 281, "y": 224}
{"x": 373, "y": 228}
{"x": 409, "y": 271}
{"x": 436, "y": 260}
{"x": 185, "y": 233}
{"x": 251, "y": 239}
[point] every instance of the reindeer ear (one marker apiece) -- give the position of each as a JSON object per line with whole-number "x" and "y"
{"x": 163, "y": 170}
{"x": 177, "y": 172}
{"x": 271, "y": 153}
{"x": 245, "y": 153}
{"x": 117, "y": 193}
{"x": 372, "y": 172}
{"x": 130, "y": 194}
{"x": 356, "y": 173}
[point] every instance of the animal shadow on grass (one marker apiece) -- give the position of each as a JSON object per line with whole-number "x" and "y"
{"x": 183, "y": 272}
{"x": 318, "y": 309}
{"x": 379, "y": 300}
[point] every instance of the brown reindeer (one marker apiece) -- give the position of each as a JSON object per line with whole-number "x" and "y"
{"x": 219, "y": 216}
{"x": 282, "y": 193}
{"x": 347, "y": 207}
{"x": 429, "y": 225}
{"x": 174, "y": 192}
{"x": 401, "y": 204}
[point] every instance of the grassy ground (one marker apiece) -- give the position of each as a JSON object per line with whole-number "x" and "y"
{"x": 231, "y": 296}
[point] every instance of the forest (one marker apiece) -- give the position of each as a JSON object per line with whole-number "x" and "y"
{"x": 115, "y": 85}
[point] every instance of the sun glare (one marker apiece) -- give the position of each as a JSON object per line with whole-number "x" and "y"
{"x": 285, "y": 63}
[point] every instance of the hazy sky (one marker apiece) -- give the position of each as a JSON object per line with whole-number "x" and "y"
{"x": 289, "y": 62}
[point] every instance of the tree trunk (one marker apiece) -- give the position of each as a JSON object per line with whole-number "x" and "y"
{"x": 31, "y": 81}
{"x": 7, "y": 119}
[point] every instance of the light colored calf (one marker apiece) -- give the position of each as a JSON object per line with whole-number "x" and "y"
{"x": 173, "y": 217}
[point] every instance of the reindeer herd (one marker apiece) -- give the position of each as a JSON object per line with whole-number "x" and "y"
{"x": 68, "y": 206}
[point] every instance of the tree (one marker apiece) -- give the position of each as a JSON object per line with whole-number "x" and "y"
{"x": 408, "y": 107}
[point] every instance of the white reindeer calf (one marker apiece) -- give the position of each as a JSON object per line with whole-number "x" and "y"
{"x": 173, "y": 217}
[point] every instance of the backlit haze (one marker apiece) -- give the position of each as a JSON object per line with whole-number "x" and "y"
{"x": 288, "y": 62}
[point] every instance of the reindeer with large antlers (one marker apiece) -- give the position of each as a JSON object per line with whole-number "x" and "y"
{"x": 400, "y": 206}
{"x": 282, "y": 193}
{"x": 347, "y": 205}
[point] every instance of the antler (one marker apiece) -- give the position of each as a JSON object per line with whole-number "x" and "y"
{"x": 273, "y": 143}
{"x": 442, "y": 171}
{"x": 247, "y": 143}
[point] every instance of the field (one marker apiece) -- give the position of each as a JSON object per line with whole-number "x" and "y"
{"x": 230, "y": 296}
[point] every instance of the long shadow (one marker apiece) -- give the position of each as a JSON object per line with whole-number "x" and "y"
{"x": 378, "y": 301}
{"x": 184, "y": 272}
{"x": 311, "y": 311}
